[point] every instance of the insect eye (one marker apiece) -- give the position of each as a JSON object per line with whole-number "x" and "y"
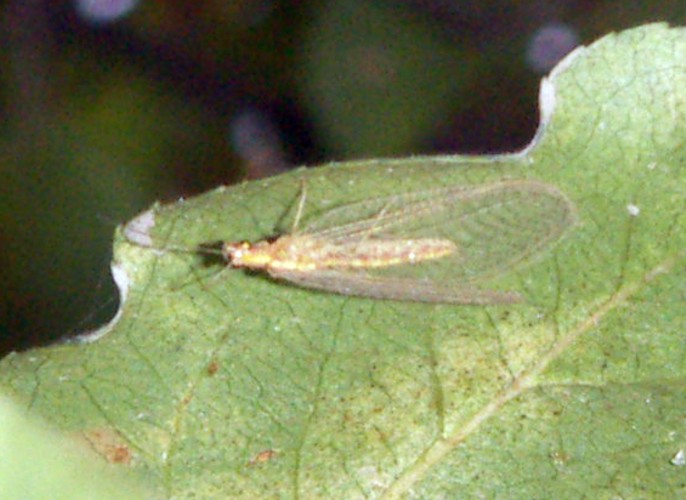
{"x": 235, "y": 251}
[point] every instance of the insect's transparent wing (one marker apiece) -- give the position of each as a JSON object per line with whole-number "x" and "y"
{"x": 362, "y": 284}
{"x": 366, "y": 217}
{"x": 494, "y": 226}
{"x": 375, "y": 215}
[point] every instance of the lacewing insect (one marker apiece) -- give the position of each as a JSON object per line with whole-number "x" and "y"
{"x": 427, "y": 246}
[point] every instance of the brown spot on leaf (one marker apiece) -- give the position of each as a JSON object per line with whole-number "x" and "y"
{"x": 109, "y": 444}
{"x": 213, "y": 367}
{"x": 262, "y": 457}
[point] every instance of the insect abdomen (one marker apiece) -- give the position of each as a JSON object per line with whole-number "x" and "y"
{"x": 311, "y": 253}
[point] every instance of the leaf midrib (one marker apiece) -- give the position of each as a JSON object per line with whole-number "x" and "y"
{"x": 439, "y": 449}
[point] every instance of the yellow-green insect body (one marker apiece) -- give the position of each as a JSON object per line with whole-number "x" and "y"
{"x": 426, "y": 246}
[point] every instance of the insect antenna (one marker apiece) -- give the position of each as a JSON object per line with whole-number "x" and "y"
{"x": 211, "y": 252}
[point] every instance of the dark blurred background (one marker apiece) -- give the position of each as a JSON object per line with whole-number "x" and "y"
{"x": 109, "y": 105}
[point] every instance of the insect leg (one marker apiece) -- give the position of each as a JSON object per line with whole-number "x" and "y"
{"x": 301, "y": 206}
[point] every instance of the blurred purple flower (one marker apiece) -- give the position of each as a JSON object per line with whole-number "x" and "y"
{"x": 549, "y": 44}
{"x": 104, "y": 11}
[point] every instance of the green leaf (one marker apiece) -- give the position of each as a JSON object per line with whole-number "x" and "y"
{"x": 38, "y": 463}
{"x": 225, "y": 383}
